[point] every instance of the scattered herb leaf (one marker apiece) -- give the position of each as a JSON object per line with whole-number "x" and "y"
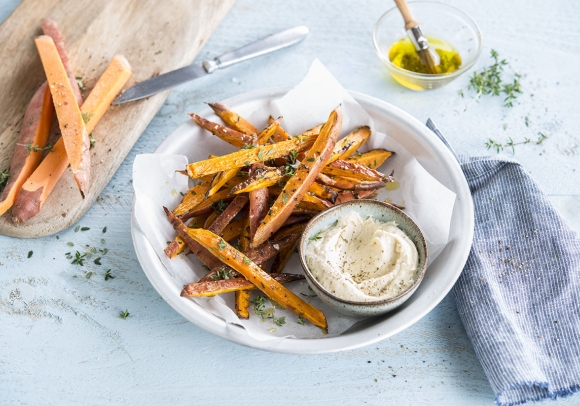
{"x": 88, "y": 275}
{"x": 124, "y": 315}
{"x": 108, "y": 275}
{"x": 316, "y": 236}
{"x": 30, "y": 254}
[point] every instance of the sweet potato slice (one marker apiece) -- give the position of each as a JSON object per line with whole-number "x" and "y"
{"x": 212, "y": 288}
{"x": 322, "y": 191}
{"x": 273, "y": 289}
{"x": 247, "y": 157}
{"x": 351, "y": 183}
{"x": 350, "y": 143}
{"x": 352, "y": 170}
{"x": 233, "y": 119}
{"x": 353, "y": 195}
{"x": 228, "y": 214}
{"x": 279, "y": 135}
{"x": 233, "y": 230}
{"x": 206, "y": 205}
{"x": 177, "y": 246}
{"x": 192, "y": 198}
{"x": 40, "y": 184}
{"x": 71, "y": 120}
{"x": 268, "y": 132}
{"x": 220, "y": 179}
{"x": 263, "y": 178}
{"x": 29, "y": 146}
{"x": 304, "y": 176}
{"x": 233, "y": 137}
{"x": 371, "y": 159}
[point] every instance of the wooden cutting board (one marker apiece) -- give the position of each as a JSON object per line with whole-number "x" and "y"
{"x": 155, "y": 37}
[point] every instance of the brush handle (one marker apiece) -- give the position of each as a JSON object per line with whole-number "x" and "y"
{"x": 403, "y": 7}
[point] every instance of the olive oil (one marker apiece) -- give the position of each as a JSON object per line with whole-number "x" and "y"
{"x": 403, "y": 54}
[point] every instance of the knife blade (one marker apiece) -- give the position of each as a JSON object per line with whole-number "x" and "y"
{"x": 171, "y": 79}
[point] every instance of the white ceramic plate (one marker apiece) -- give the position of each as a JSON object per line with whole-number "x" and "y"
{"x": 441, "y": 274}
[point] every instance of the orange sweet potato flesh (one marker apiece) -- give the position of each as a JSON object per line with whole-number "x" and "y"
{"x": 263, "y": 281}
{"x": 352, "y": 170}
{"x": 40, "y": 184}
{"x": 192, "y": 198}
{"x": 212, "y": 288}
{"x": 70, "y": 118}
{"x": 350, "y": 143}
{"x": 34, "y": 132}
{"x": 233, "y": 137}
{"x": 344, "y": 183}
{"x": 304, "y": 176}
{"x": 371, "y": 159}
{"x": 233, "y": 119}
{"x": 247, "y": 157}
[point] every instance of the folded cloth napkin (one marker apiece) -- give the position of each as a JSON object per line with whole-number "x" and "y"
{"x": 519, "y": 293}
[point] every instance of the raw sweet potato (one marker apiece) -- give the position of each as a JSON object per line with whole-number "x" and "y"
{"x": 40, "y": 184}
{"x": 29, "y": 146}
{"x": 71, "y": 120}
{"x": 304, "y": 176}
{"x": 273, "y": 289}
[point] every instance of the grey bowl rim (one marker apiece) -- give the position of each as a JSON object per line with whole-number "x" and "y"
{"x": 311, "y": 279}
{"x": 427, "y": 76}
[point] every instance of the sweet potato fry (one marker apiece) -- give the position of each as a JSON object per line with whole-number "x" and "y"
{"x": 371, "y": 159}
{"x": 220, "y": 179}
{"x": 248, "y": 157}
{"x": 242, "y": 303}
{"x": 283, "y": 257}
{"x": 233, "y": 137}
{"x": 228, "y": 214}
{"x": 210, "y": 219}
{"x": 352, "y": 184}
{"x": 258, "y": 255}
{"x": 353, "y": 195}
{"x": 206, "y": 205}
{"x": 304, "y": 176}
{"x": 71, "y": 120}
{"x": 351, "y": 170}
{"x": 233, "y": 230}
{"x": 322, "y": 191}
{"x": 192, "y": 198}
{"x": 273, "y": 289}
{"x": 233, "y": 119}
{"x": 29, "y": 146}
{"x": 266, "y": 177}
{"x": 279, "y": 134}
{"x": 40, "y": 184}
{"x": 350, "y": 143}
{"x": 212, "y": 288}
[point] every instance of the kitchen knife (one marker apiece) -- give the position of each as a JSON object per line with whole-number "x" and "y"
{"x": 171, "y": 79}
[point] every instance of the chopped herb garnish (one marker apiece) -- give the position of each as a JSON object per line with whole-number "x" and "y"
{"x": 316, "y": 236}
{"x": 30, "y": 254}
{"x": 284, "y": 197}
{"x": 300, "y": 320}
{"x": 79, "y": 259}
{"x": 92, "y": 140}
{"x": 260, "y": 154}
{"x": 219, "y": 206}
{"x": 222, "y": 244}
{"x": 222, "y": 274}
{"x": 248, "y": 146}
{"x": 104, "y": 251}
{"x": 102, "y": 240}
{"x": 270, "y": 152}
{"x": 88, "y": 275}
{"x": 108, "y": 275}
{"x": 280, "y": 321}
{"x": 80, "y": 82}
{"x": 87, "y": 117}
{"x": 247, "y": 163}
{"x": 4, "y": 179}
{"x": 259, "y": 303}
{"x": 124, "y": 315}
{"x": 312, "y": 159}
{"x": 293, "y": 155}
{"x": 104, "y": 230}
{"x": 97, "y": 261}
{"x": 158, "y": 52}
{"x": 85, "y": 228}
{"x": 77, "y": 228}
{"x": 247, "y": 260}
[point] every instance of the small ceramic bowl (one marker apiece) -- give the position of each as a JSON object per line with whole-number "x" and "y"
{"x": 379, "y": 211}
{"x": 439, "y": 21}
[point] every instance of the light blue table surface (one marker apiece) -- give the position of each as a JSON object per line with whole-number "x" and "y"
{"x": 61, "y": 341}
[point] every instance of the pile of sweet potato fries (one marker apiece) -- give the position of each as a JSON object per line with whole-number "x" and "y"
{"x": 260, "y": 198}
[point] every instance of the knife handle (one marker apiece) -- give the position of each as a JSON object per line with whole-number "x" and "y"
{"x": 263, "y": 46}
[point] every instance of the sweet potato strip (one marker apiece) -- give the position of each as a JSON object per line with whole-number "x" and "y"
{"x": 205, "y": 205}
{"x": 71, "y": 120}
{"x": 31, "y": 140}
{"x": 304, "y": 176}
{"x": 177, "y": 246}
{"x": 233, "y": 137}
{"x": 233, "y": 230}
{"x": 322, "y": 191}
{"x": 371, "y": 159}
{"x": 212, "y": 288}
{"x": 279, "y": 134}
{"x": 247, "y": 157}
{"x": 228, "y": 214}
{"x": 40, "y": 184}
{"x": 233, "y": 119}
{"x": 242, "y": 303}
{"x": 268, "y": 132}
{"x": 263, "y": 178}
{"x": 220, "y": 179}
{"x": 353, "y": 195}
{"x": 263, "y": 281}
{"x": 350, "y": 143}
{"x": 192, "y": 198}
{"x": 353, "y": 184}
{"x": 351, "y": 170}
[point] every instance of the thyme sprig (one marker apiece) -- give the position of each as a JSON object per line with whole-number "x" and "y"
{"x": 35, "y": 148}
{"x": 490, "y": 81}
{"x": 4, "y": 175}
{"x": 498, "y": 146}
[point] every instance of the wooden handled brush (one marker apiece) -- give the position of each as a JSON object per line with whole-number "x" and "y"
{"x": 429, "y": 58}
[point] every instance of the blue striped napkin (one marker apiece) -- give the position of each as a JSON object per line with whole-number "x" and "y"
{"x": 519, "y": 293}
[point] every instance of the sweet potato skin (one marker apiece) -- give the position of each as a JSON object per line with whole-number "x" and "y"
{"x": 34, "y": 132}
{"x": 233, "y": 119}
{"x": 213, "y": 288}
{"x": 233, "y": 137}
{"x": 304, "y": 176}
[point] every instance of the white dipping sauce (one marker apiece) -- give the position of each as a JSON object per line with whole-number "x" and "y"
{"x": 363, "y": 260}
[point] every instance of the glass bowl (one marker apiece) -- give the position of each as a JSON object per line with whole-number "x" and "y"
{"x": 437, "y": 20}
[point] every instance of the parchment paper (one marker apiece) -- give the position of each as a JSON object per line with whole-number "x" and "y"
{"x": 157, "y": 184}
